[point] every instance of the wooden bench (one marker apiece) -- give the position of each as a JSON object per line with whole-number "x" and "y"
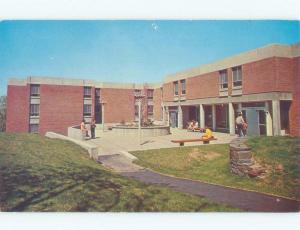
{"x": 205, "y": 141}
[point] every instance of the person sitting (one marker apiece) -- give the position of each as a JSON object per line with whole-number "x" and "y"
{"x": 208, "y": 134}
{"x": 196, "y": 126}
{"x": 83, "y": 128}
{"x": 190, "y": 126}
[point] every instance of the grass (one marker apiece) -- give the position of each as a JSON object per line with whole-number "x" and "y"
{"x": 41, "y": 174}
{"x": 210, "y": 163}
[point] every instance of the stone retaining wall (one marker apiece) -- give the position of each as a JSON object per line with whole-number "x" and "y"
{"x": 241, "y": 160}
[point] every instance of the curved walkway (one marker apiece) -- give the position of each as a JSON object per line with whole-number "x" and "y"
{"x": 246, "y": 200}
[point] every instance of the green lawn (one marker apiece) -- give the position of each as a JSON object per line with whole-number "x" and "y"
{"x": 210, "y": 163}
{"x": 41, "y": 174}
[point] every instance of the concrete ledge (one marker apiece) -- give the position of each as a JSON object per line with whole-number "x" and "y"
{"x": 91, "y": 148}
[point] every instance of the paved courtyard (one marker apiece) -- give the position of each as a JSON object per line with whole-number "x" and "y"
{"x": 111, "y": 142}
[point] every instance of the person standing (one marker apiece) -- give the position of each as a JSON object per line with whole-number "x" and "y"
{"x": 84, "y": 129}
{"x": 93, "y": 126}
{"x": 240, "y": 124}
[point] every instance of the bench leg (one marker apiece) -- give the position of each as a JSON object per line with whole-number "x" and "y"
{"x": 205, "y": 142}
{"x": 181, "y": 144}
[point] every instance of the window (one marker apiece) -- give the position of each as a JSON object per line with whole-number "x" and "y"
{"x": 175, "y": 88}
{"x": 183, "y": 87}
{"x": 237, "y": 76}
{"x": 87, "y": 92}
{"x": 223, "y": 79}
{"x": 137, "y": 93}
{"x": 34, "y": 110}
{"x": 150, "y": 93}
{"x": 87, "y": 110}
{"x": 34, "y": 128}
{"x": 150, "y": 109}
{"x": 34, "y": 90}
{"x": 97, "y": 93}
{"x": 136, "y": 110}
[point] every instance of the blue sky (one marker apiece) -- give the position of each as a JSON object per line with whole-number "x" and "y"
{"x": 128, "y": 51}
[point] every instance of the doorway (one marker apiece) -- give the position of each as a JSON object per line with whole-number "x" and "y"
{"x": 173, "y": 119}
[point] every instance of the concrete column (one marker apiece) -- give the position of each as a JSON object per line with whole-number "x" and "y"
{"x": 163, "y": 114}
{"x": 202, "y": 114}
{"x": 214, "y": 117}
{"x": 276, "y": 117}
{"x": 269, "y": 122}
{"x": 102, "y": 108}
{"x": 168, "y": 115}
{"x": 239, "y": 107}
{"x": 231, "y": 119}
{"x": 180, "y": 117}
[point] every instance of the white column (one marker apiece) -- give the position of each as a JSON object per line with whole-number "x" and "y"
{"x": 231, "y": 119}
{"x": 240, "y": 107}
{"x": 276, "y": 117}
{"x": 102, "y": 108}
{"x": 163, "y": 114}
{"x": 139, "y": 103}
{"x": 202, "y": 118}
{"x": 214, "y": 117}
{"x": 269, "y": 123}
{"x": 168, "y": 115}
{"x": 180, "y": 117}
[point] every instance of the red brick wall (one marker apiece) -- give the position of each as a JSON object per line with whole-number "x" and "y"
{"x": 157, "y": 104}
{"x": 60, "y": 107}
{"x": 259, "y": 76}
{"x": 206, "y": 85}
{"x": 294, "y": 113}
{"x": 168, "y": 93}
{"x": 284, "y": 74}
{"x": 119, "y": 105}
{"x": 17, "y": 109}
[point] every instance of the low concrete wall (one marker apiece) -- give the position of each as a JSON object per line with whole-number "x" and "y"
{"x": 76, "y": 133}
{"x": 145, "y": 131}
{"x": 91, "y": 148}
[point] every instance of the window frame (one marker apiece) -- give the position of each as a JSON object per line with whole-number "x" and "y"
{"x": 151, "y": 94}
{"x": 34, "y": 130}
{"x": 175, "y": 91}
{"x": 223, "y": 75}
{"x": 32, "y": 110}
{"x": 89, "y": 113}
{"x": 148, "y": 111}
{"x": 85, "y": 90}
{"x": 34, "y": 86}
{"x": 183, "y": 91}
{"x": 239, "y": 75}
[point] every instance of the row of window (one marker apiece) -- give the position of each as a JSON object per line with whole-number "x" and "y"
{"x": 176, "y": 87}
{"x": 150, "y": 93}
{"x": 236, "y": 77}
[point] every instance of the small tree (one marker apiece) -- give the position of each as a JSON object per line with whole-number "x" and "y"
{"x": 2, "y": 113}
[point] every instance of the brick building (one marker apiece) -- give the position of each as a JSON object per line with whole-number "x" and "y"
{"x": 263, "y": 84}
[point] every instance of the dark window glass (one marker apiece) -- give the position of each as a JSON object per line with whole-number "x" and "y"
{"x": 150, "y": 93}
{"x": 87, "y": 92}
{"x": 34, "y": 128}
{"x": 87, "y": 110}
{"x": 175, "y": 88}
{"x": 97, "y": 92}
{"x": 223, "y": 79}
{"x": 183, "y": 87}
{"x": 34, "y": 110}
{"x": 34, "y": 90}
{"x": 136, "y": 110}
{"x": 150, "y": 109}
{"x": 237, "y": 76}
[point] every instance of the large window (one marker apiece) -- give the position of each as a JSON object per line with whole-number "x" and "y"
{"x": 237, "y": 76}
{"x": 87, "y": 110}
{"x": 34, "y": 128}
{"x": 87, "y": 92}
{"x": 175, "y": 84}
{"x": 223, "y": 79}
{"x": 136, "y": 110}
{"x": 34, "y": 90}
{"x": 150, "y": 93}
{"x": 183, "y": 87}
{"x": 34, "y": 110}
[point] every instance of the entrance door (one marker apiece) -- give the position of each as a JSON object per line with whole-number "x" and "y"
{"x": 173, "y": 119}
{"x": 253, "y": 122}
